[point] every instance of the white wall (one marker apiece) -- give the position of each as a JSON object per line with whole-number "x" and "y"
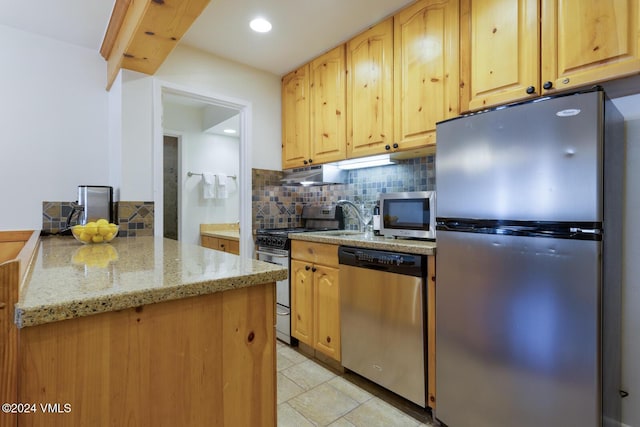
{"x": 202, "y": 152}
{"x": 630, "y": 106}
{"x": 137, "y": 137}
{"x": 54, "y": 122}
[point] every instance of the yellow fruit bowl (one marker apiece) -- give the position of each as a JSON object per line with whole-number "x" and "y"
{"x": 100, "y": 231}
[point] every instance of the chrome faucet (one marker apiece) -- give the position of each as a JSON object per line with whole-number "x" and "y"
{"x": 356, "y": 209}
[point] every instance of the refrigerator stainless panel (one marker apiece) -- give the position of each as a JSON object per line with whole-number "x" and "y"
{"x": 535, "y": 161}
{"x": 518, "y": 323}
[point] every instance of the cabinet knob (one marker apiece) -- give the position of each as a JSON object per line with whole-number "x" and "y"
{"x": 314, "y": 269}
{"x": 395, "y": 145}
{"x": 547, "y": 85}
{"x": 310, "y": 161}
{"x": 306, "y": 267}
{"x": 305, "y": 162}
{"x": 328, "y": 339}
{"x": 387, "y": 147}
{"x": 531, "y": 89}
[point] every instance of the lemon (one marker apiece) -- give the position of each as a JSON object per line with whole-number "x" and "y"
{"x": 102, "y": 221}
{"x": 97, "y": 238}
{"x": 85, "y": 237}
{"x": 104, "y": 229}
{"x": 91, "y": 228}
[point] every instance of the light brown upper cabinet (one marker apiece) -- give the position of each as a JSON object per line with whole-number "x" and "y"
{"x": 515, "y": 49}
{"x": 328, "y": 120}
{"x": 499, "y": 51}
{"x": 589, "y": 41}
{"x": 370, "y": 91}
{"x": 296, "y": 150}
{"x": 426, "y": 64}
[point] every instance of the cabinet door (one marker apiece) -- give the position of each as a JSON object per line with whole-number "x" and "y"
{"x": 499, "y": 50}
{"x": 426, "y": 79}
{"x": 233, "y": 247}
{"x": 370, "y": 91}
{"x": 327, "y": 311}
{"x": 210, "y": 242}
{"x": 302, "y": 301}
{"x": 328, "y": 117}
{"x": 588, "y": 41}
{"x": 295, "y": 118}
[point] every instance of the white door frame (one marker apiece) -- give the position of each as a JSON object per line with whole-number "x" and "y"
{"x": 244, "y": 178}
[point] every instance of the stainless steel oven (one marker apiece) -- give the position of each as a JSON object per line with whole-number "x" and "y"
{"x": 283, "y": 301}
{"x": 273, "y": 245}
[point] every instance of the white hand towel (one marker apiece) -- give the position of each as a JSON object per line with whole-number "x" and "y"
{"x": 221, "y": 187}
{"x": 208, "y": 185}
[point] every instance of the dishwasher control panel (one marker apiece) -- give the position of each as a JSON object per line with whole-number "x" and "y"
{"x": 393, "y": 262}
{"x": 384, "y": 258}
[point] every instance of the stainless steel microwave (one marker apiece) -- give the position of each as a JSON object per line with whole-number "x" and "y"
{"x": 408, "y": 214}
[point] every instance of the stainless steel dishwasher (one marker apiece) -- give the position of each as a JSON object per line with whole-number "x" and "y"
{"x": 383, "y": 318}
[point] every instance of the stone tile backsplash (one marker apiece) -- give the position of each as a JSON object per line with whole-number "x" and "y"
{"x": 134, "y": 218}
{"x": 275, "y": 206}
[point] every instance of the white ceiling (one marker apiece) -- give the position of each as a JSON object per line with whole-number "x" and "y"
{"x": 302, "y": 29}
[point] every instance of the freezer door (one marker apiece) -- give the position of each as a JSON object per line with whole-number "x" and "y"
{"x": 539, "y": 161}
{"x": 517, "y": 331}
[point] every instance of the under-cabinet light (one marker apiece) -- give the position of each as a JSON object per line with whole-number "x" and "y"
{"x": 365, "y": 162}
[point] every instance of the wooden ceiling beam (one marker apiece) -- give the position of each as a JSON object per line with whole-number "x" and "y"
{"x": 142, "y": 33}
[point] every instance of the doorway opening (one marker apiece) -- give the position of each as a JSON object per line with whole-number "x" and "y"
{"x": 232, "y": 107}
{"x": 170, "y": 186}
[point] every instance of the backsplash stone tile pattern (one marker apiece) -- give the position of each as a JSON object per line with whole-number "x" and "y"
{"x": 275, "y": 206}
{"x": 134, "y": 218}
{"x": 54, "y": 216}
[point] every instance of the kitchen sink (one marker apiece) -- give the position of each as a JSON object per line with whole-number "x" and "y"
{"x": 341, "y": 233}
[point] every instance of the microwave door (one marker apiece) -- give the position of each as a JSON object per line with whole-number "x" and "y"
{"x": 410, "y": 214}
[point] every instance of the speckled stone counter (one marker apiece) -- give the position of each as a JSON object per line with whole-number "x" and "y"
{"x": 420, "y": 247}
{"x": 67, "y": 279}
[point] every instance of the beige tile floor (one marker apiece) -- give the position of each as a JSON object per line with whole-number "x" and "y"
{"x": 310, "y": 394}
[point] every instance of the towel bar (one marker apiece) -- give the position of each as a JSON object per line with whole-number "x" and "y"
{"x": 190, "y": 174}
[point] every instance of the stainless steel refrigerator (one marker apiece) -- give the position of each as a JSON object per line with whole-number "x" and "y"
{"x": 528, "y": 264}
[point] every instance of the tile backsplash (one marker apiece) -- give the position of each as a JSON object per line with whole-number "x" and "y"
{"x": 275, "y": 206}
{"x": 134, "y": 218}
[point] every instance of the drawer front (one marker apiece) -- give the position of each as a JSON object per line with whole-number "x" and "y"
{"x": 319, "y": 253}
{"x": 233, "y": 247}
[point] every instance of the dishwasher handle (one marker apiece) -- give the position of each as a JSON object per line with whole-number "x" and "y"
{"x": 392, "y": 262}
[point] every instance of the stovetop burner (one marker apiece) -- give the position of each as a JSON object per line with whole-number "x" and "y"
{"x": 316, "y": 218}
{"x": 278, "y": 238}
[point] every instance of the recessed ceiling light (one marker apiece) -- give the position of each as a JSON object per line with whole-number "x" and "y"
{"x": 260, "y": 25}
{"x": 229, "y": 131}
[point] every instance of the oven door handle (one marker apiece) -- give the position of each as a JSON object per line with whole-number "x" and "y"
{"x": 283, "y": 313}
{"x": 272, "y": 255}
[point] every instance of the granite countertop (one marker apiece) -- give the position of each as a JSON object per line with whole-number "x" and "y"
{"x": 353, "y": 238}
{"x": 68, "y": 279}
{"x": 224, "y": 234}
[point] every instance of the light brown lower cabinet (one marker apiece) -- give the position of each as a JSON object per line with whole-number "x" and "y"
{"x": 315, "y": 296}
{"x": 220, "y": 244}
{"x": 201, "y": 361}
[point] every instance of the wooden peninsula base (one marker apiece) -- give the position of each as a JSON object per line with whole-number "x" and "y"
{"x": 200, "y": 361}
